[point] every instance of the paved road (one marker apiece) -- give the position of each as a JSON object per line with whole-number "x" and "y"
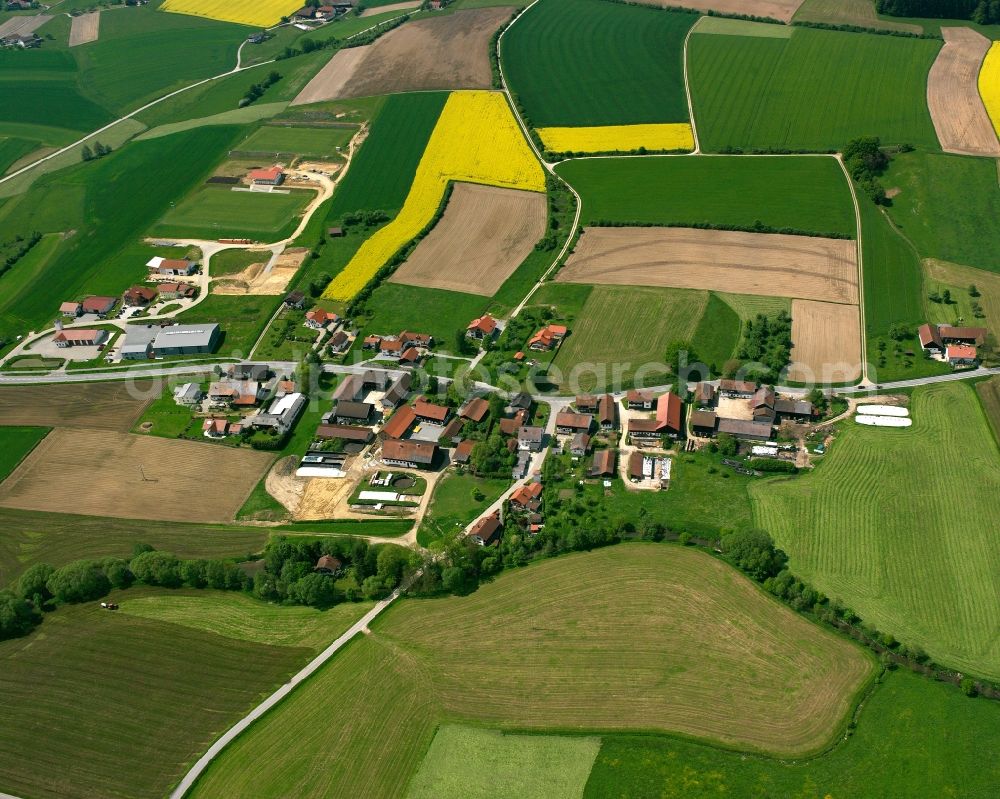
{"x": 233, "y": 732}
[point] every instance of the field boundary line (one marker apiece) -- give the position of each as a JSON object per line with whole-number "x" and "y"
{"x": 863, "y": 324}
{"x": 687, "y": 89}
{"x": 195, "y": 772}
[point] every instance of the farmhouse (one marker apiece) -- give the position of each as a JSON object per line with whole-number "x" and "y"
{"x": 464, "y": 451}
{"x": 327, "y": 564}
{"x": 361, "y": 435}
{"x": 250, "y": 371}
{"x": 607, "y": 413}
{"x": 400, "y": 423}
{"x": 186, "y": 340}
{"x": 509, "y": 427}
{"x": 215, "y": 428}
{"x": 936, "y": 338}
{"x": 139, "y": 296}
{"x": 579, "y": 445}
{"x": 585, "y": 403}
{"x": 484, "y": 327}
{"x": 737, "y": 388}
{"x": 704, "y": 394}
{"x": 396, "y": 393}
{"x": 475, "y": 409}
{"x": 171, "y": 266}
{"x": 410, "y": 454}
{"x": 295, "y": 300}
{"x": 429, "y": 412}
{"x": 80, "y": 338}
{"x": 282, "y": 414}
{"x": 487, "y": 530}
{"x": 521, "y": 401}
{"x": 274, "y": 176}
{"x": 703, "y": 423}
{"x": 569, "y": 423}
{"x": 101, "y": 306}
{"x": 177, "y": 291}
{"x": 961, "y": 355}
{"x": 348, "y": 412}
{"x": 547, "y": 338}
{"x": 241, "y": 393}
{"x": 453, "y": 430}
{"x": 339, "y": 343}
{"x": 604, "y": 463}
{"x": 666, "y": 423}
{"x": 72, "y": 309}
{"x": 749, "y": 429}
{"x": 640, "y": 400}
{"x": 635, "y": 466}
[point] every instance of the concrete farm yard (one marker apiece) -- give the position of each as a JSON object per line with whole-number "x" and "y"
{"x": 362, "y": 335}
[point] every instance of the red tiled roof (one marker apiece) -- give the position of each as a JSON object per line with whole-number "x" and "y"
{"x": 526, "y": 494}
{"x": 961, "y": 351}
{"x": 578, "y": 421}
{"x": 486, "y": 529}
{"x": 269, "y": 174}
{"x": 98, "y": 304}
{"x": 668, "y": 411}
{"x": 475, "y": 409}
{"x": 429, "y": 410}
{"x": 415, "y": 451}
{"x": 484, "y": 324}
{"x": 464, "y": 450}
{"x": 401, "y": 421}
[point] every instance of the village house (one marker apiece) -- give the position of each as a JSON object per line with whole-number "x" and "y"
{"x": 704, "y": 394}
{"x": 360, "y": 435}
{"x": 547, "y": 338}
{"x": 318, "y": 319}
{"x": 327, "y": 564}
{"x": 487, "y": 530}
{"x": 568, "y": 423}
{"x": 509, "y": 427}
{"x": 748, "y": 429}
{"x": 215, "y": 428}
{"x": 962, "y": 355}
{"x": 530, "y": 439}
{"x": 411, "y": 339}
{"x": 24, "y": 42}
{"x": 527, "y": 498}
{"x": 936, "y": 338}
{"x": 171, "y": 266}
{"x": 703, "y": 423}
{"x": 339, "y": 343}
{"x": 484, "y": 327}
{"x": 177, "y": 291}
{"x": 521, "y": 401}
{"x": 188, "y": 394}
{"x": 604, "y": 463}
{"x": 429, "y": 412}
{"x": 475, "y": 409}
{"x": 273, "y": 176}
{"x": 349, "y": 412}
{"x": 607, "y": 413}
{"x": 282, "y": 414}
{"x": 295, "y": 300}
{"x": 396, "y": 392}
{"x": 80, "y": 338}
{"x": 101, "y": 306}
{"x": 239, "y": 393}
{"x": 71, "y": 309}
{"x": 139, "y": 296}
{"x": 742, "y": 389}
{"x": 260, "y": 372}
{"x": 640, "y": 400}
{"x": 409, "y": 454}
{"x": 411, "y": 357}
{"x": 463, "y": 451}
{"x": 585, "y": 403}
{"x": 579, "y": 445}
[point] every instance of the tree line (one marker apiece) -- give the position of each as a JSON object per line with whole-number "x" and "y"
{"x": 982, "y": 12}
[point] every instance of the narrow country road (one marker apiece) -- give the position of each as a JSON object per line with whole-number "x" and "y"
{"x": 233, "y": 732}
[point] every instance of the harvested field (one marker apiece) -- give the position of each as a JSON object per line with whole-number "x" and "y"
{"x": 23, "y": 26}
{"x": 255, "y": 281}
{"x": 742, "y": 263}
{"x": 850, "y": 12}
{"x": 776, "y": 9}
{"x": 450, "y": 52}
{"x": 484, "y": 235}
{"x": 371, "y": 12}
{"x": 957, "y": 110}
{"x": 128, "y": 476}
{"x": 826, "y": 342}
{"x": 86, "y": 28}
{"x": 104, "y": 406}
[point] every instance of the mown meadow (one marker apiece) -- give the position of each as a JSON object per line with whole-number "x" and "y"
{"x": 900, "y": 526}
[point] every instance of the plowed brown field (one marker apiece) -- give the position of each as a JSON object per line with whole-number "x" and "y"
{"x": 105, "y": 406}
{"x": 776, "y": 9}
{"x": 959, "y": 116}
{"x": 103, "y": 473}
{"x": 449, "y": 52}
{"x": 722, "y": 260}
{"x": 85, "y": 28}
{"x": 826, "y": 342}
{"x": 485, "y": 233}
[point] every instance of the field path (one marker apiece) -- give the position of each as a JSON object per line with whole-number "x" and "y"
{"x": 234, "y": 732}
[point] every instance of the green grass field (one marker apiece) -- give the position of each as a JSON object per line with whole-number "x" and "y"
{"x": 586, "y": 62}
{"x": 383, "y": 169}
{"x": 20, "y": 280}
{"x": 471, "y": 763}
{"x": 89, "y": 681}
{"x": 242, "y": 319}
{"x": 947, "y": 206}
{"x": 214, "y": 212}
{"x": 717, "y": 334}
{"x": 809, "y": 194}
{"x": 623, "y": 330}
{"x": 109, "y": 205}
{"x": 13, "y": 149}
{"x": 16, "y": 444}
{"x": 898, "y": 525}
{"x": 242, "y": 618}
{"x": 814, "y": 91}
{"x": 892, "y": 274}
{"x": 989, "y": 396}
{"x": 318, "y": 142}
{"x": 719, "y": 659}
{"x": 453, "y": 505}
{"x": 914, "y": 738}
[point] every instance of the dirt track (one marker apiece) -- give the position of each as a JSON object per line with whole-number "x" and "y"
{"x": 826, "y": 341}
{"x": 484, "y": 235}
{"x": 959, "y": 116}
{"x": 449, "y": 52}
{"x": 102, "y": 473}
{"x": 777, "y": 9}
{"x": 86, "y": 28}
{"x": 742, "y": 263}
{"x": 255, "y": 281}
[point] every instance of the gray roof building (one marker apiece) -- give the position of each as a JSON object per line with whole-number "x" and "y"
{"x": 138, "y": 341}
{"x": 186, "y": 339}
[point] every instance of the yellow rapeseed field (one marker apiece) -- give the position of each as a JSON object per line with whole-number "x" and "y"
{"x": 673, "y": 136}
{"x": 258, "y": 13}
{"x": 476, "y": 140}
{"x": 989, "y": 84}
